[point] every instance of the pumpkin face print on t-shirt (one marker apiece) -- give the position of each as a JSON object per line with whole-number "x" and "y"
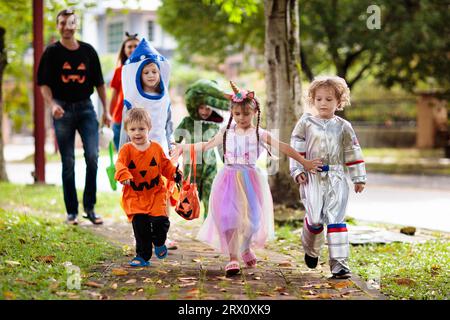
{"x": 72, "y": 73}
{"x": 146, "y": 178}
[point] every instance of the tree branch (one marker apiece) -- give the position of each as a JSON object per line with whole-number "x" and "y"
{"x": 304, "y": 63}
{"x": 360, "y": 73}
{"x": 351, "y": 58}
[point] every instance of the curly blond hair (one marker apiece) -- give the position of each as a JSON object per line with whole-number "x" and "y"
{"x": 339, "y": 86}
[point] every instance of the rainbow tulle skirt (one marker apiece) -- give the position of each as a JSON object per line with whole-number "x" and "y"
{"x": 240, "y": 210}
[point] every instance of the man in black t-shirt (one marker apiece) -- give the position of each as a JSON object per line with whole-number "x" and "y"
{"x": 68, "y": 72}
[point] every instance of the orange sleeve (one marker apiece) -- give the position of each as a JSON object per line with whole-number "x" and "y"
{"x": 116, "y": 81}
{"x": 122, "y": 172}
{"x": 167, "y": 168}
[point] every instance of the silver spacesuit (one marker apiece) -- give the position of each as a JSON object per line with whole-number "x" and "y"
{"x": 326, "y": 193}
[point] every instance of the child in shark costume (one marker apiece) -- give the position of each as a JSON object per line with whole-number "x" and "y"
{"x": 156, "y": 104}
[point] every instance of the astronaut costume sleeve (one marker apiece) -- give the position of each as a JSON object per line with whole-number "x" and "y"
{"x": 353, "y": 157}
{"x": 157, "y": 105}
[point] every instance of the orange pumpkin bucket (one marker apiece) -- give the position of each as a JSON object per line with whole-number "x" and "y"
{"x": 188, "y": 205}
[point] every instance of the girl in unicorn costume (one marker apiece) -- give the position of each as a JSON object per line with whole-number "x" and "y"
{"x": 240, "y": 215}
{"x": 155, "y": 101}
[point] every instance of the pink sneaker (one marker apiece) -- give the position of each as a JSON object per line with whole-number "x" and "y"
{"x": 232, "y": 268}
{"x": 171, "y": 244}
{"x": 249, "y": 258}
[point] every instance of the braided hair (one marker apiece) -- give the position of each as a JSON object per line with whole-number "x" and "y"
{"x": 258, "y": 110}
{"x": 225, "y": 135}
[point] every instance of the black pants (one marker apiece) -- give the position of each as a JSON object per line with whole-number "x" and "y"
{"x": 149, "y": 231}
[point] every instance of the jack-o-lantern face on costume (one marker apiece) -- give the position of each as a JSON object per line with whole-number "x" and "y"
{"x": 143, "y": 180}
{"x": 188, "y": 206}
{"x": 70, "y": 74}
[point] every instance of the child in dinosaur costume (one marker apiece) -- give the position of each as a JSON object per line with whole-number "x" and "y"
{"x": 203, "y": 100}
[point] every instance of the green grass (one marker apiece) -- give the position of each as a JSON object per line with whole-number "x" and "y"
{"x": 407, "y": 161}
{"x": 404, "y": 153}
{"x": 37, "y": 199}
{"x": 31, "y": 227}
{"x": 395, "y": 168}
{"x": 404, "y": 270}
{"x": 34, "y": 252}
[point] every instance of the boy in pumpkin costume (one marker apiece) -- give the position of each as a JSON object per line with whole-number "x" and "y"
{"x": 139, "y": 167}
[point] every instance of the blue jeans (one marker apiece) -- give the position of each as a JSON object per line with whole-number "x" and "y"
{"x": 78, "y": 116}
{"x": 116, "y": 129}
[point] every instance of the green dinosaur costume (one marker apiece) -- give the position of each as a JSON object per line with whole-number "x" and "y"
{"x": 204, "y": 92}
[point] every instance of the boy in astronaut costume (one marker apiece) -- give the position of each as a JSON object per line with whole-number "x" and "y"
{"x": 325, "y": 194}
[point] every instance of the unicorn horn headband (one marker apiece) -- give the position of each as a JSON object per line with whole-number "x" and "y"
{"x": 240, "y": 94}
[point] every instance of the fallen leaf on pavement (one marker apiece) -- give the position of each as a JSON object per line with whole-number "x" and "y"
{"x": 196, "y": 260}
{"x": 95, "y": 295}
{"x": 341, "y": 284}
{"x": 94, "y": 284}
{"x": 193, "y": 291}
{"x": 325, "y": 296}
{"x": 187, "y": 279}
{"x": 187, "y": 284}
{"x": 285, "y": 264}
{"x": 130, "y": 281}
{"x": 223, "y": 278}
{"x": 119, "y": 272}
{"x": 161, "y": 271}
{"x": 256, "y": 278}
{"x": 349, "y": 292}
{"x": 265, "y": 294}
{"x": 311, "y": 296}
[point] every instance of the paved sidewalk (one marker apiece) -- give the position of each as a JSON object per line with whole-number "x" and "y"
{"x": 195, "y": 271}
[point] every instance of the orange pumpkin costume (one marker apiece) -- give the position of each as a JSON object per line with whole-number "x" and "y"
{"x": 147, "y": 193}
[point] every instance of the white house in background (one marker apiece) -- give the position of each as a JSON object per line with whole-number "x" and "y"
{"x": 105, "y": 25}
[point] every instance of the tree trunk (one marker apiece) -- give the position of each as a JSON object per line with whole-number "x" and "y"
{"x": 3, "y": 62}
{"x": 284, "y": 106}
